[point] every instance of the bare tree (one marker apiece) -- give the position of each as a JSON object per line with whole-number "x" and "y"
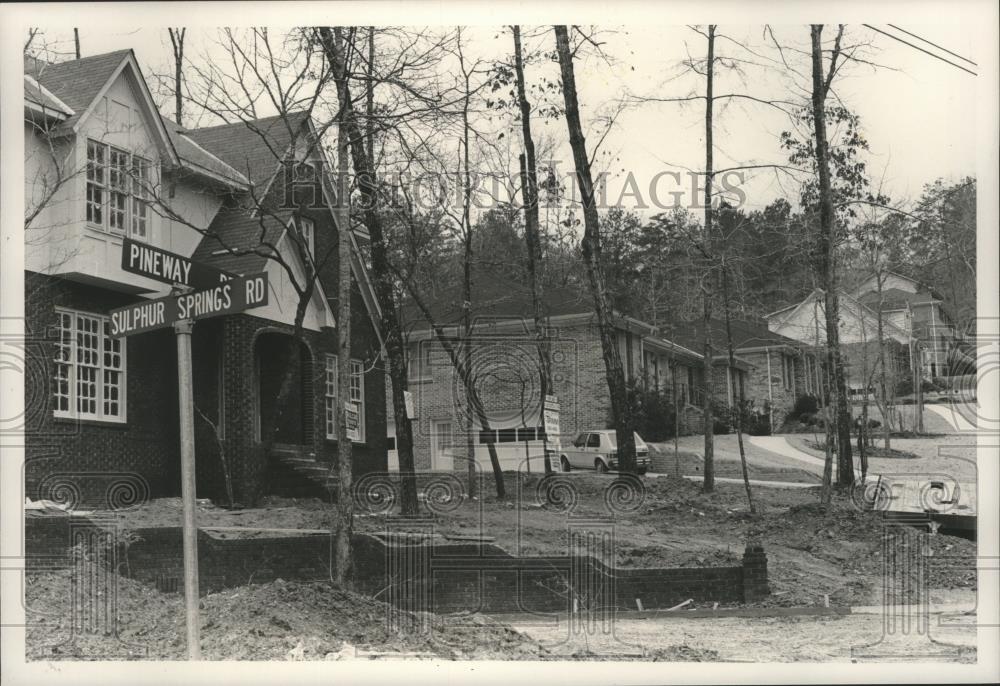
{"x": 529, "y": 192}
{"x": 827, "y": 253}
{"x": 345, "y": 498}
{"x": 382, "y": 273}
{"x": 620, "y": 411}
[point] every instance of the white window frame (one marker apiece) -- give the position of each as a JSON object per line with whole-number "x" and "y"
{"x": 419, "y": 362}
{"x": 307, "y": 230}
{"x": 135, "y": 175}
{"x": 72, "y": 365}
{"x": 357, "y": 395}
{"x": 331, "y": 390}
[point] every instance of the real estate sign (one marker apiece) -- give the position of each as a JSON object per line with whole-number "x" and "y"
{"x": 353, "y": 421}
{"x": 155, "y": 263}
{"x": 236, "y": 295}
{"x": 551, "y": 420}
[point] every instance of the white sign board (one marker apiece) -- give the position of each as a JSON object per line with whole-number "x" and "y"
{"x": 353, "y": 418}
{"x": 551, "y": 421}
{"x": 410, "y": 413}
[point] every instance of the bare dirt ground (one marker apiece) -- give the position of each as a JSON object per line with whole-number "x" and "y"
{"x": 764, "y": 639}
{"x": 282, "y": 620}
{"x": 811, "y": 553}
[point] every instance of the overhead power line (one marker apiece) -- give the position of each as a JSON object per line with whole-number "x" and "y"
{"x": 917, "y": 47}
{"x": 953, "y": 54}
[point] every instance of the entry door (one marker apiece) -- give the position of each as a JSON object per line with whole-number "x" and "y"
{"x": 442, "y": 443}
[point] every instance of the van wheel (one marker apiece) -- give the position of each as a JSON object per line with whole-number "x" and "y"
{"x": 600, "y": 467}
{"x": 564, "y": 463}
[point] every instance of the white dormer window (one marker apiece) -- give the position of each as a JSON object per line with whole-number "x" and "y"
{"x": 307, "y": 230}
{"x": 117, "y": 190}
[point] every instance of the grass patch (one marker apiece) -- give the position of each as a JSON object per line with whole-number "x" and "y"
{"x": 891, "y": 454}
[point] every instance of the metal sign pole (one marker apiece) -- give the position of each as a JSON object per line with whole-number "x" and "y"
{"x": 186, "y": 401}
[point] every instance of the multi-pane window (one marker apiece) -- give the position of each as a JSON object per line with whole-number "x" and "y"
{"x": 96, "y": 161}
{"x": 140, "y": 197}
{"x": 307, "y": 230}
{"x": 419, "y": 362}
{"x": 356, "y": 395}
{"x": 117, "y": 190}
{"x": 331, "y": 396}
{"x": 89, "y": 381}
{"x": 788, "y": 371}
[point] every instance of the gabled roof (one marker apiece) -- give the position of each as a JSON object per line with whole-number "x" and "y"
{"x": 80, "y": 83}
{"x": 233, "y": 233}
{"x": 37, "y": 94}
{"x": 896, "y": 299}
{"x": 253, "y": 148}
{"x": 77, "y": 82}
{"x": 847, "y": 303}
{"x": 746, "y": 335}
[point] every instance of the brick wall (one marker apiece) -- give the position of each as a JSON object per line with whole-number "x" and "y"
{"x": 441, "y": 578}
{"x": 579, "y": 381}
{"x": 79, "y": 461}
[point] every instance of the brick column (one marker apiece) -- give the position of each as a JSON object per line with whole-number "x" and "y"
{"x": 754, "y": 574}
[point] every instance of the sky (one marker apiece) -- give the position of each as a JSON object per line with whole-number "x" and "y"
{"x": 916, "y": 112}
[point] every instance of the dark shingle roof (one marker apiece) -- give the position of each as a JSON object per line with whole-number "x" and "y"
{"x": 33, "y": 93}
{"x": 895, "y": 298}
{"x": 253, "y": 148}
{"x": 195, "y": 155}
{"x": 746, "y": 334}
{"x": 498, "y": 296}
{"x": 236, "y": 229}
{"x": 77, "y": 82}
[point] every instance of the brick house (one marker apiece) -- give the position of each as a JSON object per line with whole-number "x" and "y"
{"x": 773, "y": 370}
{"x": 507, "y": 373}
{"x": 805, "y": 322}
{"x": 102, "y": 164}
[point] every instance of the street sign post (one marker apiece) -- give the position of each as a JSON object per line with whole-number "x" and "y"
{"x": 229, "y": 297}
{"x": 219, "y": 293}
{"x": 159, "y": 264}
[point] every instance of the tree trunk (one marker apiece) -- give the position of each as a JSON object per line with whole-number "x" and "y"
{"x": 620, "y": 410}
{"x": 709, "y": 428}
{"x": 177, "y": 41}
{"x": 883, "y": 385}
{"x": 391, "y": 330}
{"x": 739, "y": 409}
{"x": 467, "y": 352}
{"x": 529, "y": 185}
{"x": 827, "y": 263}
{"x": 343, "y": 568}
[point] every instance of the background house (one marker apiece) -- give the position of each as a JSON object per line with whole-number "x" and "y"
{"x": 773, "y": 369}
{"x": 505, "y": 368}
{"x": 806, "y": 322}
{"x": 102, "y": 164}
{"x": 919, "y": 311}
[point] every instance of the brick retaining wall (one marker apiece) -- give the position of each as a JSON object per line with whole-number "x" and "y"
{"x": 462, "y": 577}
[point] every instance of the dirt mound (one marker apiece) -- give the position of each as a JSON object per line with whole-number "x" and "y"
{"x": 281, "y": 620}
